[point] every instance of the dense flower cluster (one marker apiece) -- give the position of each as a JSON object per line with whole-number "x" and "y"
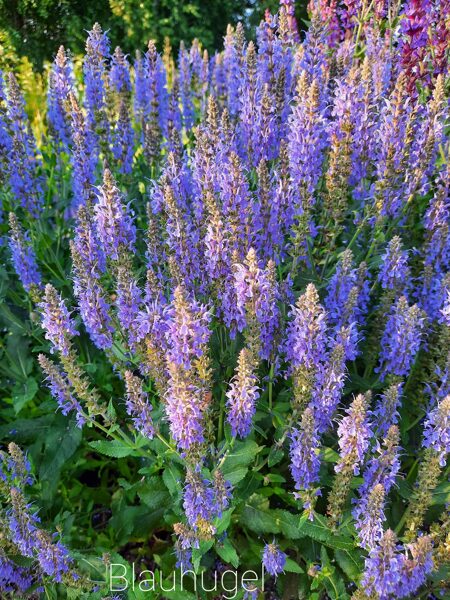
{"x": 21, "y": 531}
{"x": 259, "y": 251}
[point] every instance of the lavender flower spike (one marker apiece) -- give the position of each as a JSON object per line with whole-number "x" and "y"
{"x": 198, "y": 502}
{"x": 94, "y": 69}
{"x": 23, "y": 256}
{"x": 184, "y": 408}
{"x": 401, "y": 339}
{"x": 306, "y": 333}
{"x": 390, "y": 571}
{"x": 59, "y": 387}
{"x": 187, "y": 329}
{"x": 83, "y": 159}
{"x": 273, "y": 559}
{"x": 394, "y": 272}
{"x": 379, "y": 478}
{"x": 53, "y": 557}
{"x": 383, "y": 568}
{"x": 242, "y": 395}
{"x": 56, "y": 321}
{"x": 305, "y": 461}
{"x": 354, "y": 433}
{"x": 24, "y": 164}
{"x": 138, "y": 405}
{"x": 60, "y": 86}
{"x": 437, "y": 430}
{"x": 114, "y": 220}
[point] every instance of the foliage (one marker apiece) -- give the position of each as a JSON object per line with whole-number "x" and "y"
{"x": 36, "y": 29}
{"x": 224, "y": 306}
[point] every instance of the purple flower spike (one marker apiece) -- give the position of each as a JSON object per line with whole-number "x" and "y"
{"x": 437, "y": 430}
{"x": 114, "y": 220}
{"x": 187, "y": 329}
{"x": 95, "y": 78}
{"x": 273, "y": 559}
{"x": 242, "y": 395}
{"x": 138, "y": 405}
{"x": 198, "y": 499}
{"x": 60, "y": 389}
{"x": 394, "y": 272}
{"x": 60, "y": 86}
{"x": 354, "y": 432}
{"x": 24, "y": 163}
{"x": 56, "y": 321}
{"x": 306, "y": 333}
{"x": 305, "y": 444}
{"x": 23, "y": 256}
{"x": 53, "y": 557}
{"x": 401, "y": 339}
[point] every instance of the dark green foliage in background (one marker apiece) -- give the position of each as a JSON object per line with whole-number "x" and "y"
{"x": 36, "y": 28}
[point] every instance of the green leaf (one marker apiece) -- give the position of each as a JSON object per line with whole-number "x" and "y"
{"x": 60, "y": 444}
{"x": 292, "y": 567}
{"x": 314, "y": 529}
{"x": 259, "y": 520}
{"x": 154, "y": 493}
{"x": 441, "y": 494}
{"x": 287, "y": 523}
{"x": 237, "y": 475}
{"x": 319, "y": 530}
{"x": 137, "y": 520}
{"x": 275, "y": 455}
{"x": 333, "y": 582}
{"x": 227, "y": 553}
{"x": 18, "y": 355}
{"x": 198, "y": 553}
{"x": 173, "y": 478}
{"x": 24, "y": 392}
{"x": 350, "y": 562}
{"x": 242, "y": 454}
{"x": 330, "y": 455}
{"x": 224, "y": 522}
{"x": 113, "y": 448}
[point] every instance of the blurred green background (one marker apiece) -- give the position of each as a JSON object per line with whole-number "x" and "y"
{"x": 35, "y": 28}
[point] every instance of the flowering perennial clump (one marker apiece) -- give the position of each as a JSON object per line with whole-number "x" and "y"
{"x": 225, "y": 312}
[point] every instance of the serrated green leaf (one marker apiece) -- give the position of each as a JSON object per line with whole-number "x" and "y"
{"x": 240, "y": 457}
{"x": 154, "y": 493}
{"x": 60, "y": 444}
{"x": 113, "y": 448}
{"x": 292, "y": 567}
{"x": 237, "y": 475}
{"x": 198, "y": 553}
{"x": 314, "y": 529}
{"x": 441, "y": 494}
{"x": 173, "y": 478}
{"x": 227, "y": 553}
{"x": 275, "y": 456}
{"x": 332, "y": 580}
{"x": 350, "y": 561}
{"x": 318, "y": 530}
{"x": 224, "y": 522}
{"x": 330, "y": 455}
{"x": 24, "y": 392}
{"x": 287, "y": 523}
{"x": 259, "y": 520}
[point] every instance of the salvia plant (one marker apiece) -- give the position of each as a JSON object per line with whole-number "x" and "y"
{"x": 225, "y": 315}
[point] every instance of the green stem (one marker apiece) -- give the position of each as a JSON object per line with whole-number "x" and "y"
{"x": 271, "y": 385}
{"x": 221, "y": 415}
{"x": 122, "y": 437}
